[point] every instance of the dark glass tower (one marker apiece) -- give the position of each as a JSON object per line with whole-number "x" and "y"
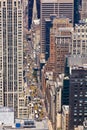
{"x": 48, "y": 25}
{"x": 76, "y": 11}
{"x": 38, "y": 8}
{"x": 30, "y": 11}
{"x": 78, "y": 97}
{"x": 66, "y": 83}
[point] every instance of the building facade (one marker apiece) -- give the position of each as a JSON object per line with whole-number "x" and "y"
{"x": 53, "y": 101}
{"x": 61, "y": 8}
{"x": 62, "y": 49}
{"x": 65, "y": 117}
{"x": 78, "y": 97}
{"x": 62, "y": 31}
{"x": 11, "y": 53}
{"x": 84, "y": 9}
{"x": 79, "y": 39}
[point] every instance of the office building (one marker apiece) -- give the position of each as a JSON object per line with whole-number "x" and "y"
{"x": 60, "y": 38}
{"x": 78, "y": 96}
{"x": 61, "y": 8}
{"x": 62, "y": 49}
{"x": 79, "y": 39}
{"x": 71, "y": 61}
{"x": 62, "y": 31}
{"x": 31, "y": 5}
{"x": 11, "y": 53}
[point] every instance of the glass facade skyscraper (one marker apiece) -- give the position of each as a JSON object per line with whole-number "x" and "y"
{"x": 78, "y": 97}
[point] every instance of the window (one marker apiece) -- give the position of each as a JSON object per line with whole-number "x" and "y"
{"x": 82, "y": 30}
{"x": 80, "y": 114}
{"x": 80, "y": 101}
{"x": 85, "y": 114}
{"x": 80, "y": 104}
{"x": 75, "y": 95}
{"x": 78, "y": 30}
{"x": 75, "y": 120}
{"x": 15, "y": 3}
{"x": 0, "y": 4}
{"x": 75, "y": 114}
{"x": 3, "y": 3}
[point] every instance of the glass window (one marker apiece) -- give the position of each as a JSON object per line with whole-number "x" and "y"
{"x": 3, "y": 3}
{"x": 15, "y": 3}
{"x": 75, "y": 120}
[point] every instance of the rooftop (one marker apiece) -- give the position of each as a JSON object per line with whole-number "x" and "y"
{"x": 39, "y": 125}
{"x": 57, "y": 1}
{"x": 6, "y": 109}
{"x": 77, "y": 61}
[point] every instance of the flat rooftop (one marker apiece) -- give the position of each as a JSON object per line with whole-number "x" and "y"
{"x": 57, "y": 1}
{"x": 6, "y": 109}
{"x": 39, "y": 125}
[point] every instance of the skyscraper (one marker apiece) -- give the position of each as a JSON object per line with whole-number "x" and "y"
{"x": 61, "y": 8}
{"x": 62, "y": 31}
{"x": 11, "y": 53}
{"x": 30, "y": 11}
{"x": 78, "y": 97}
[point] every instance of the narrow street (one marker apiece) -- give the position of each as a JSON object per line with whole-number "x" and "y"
{"x": 29, "y": 62}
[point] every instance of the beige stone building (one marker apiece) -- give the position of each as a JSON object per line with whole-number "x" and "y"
{"x": 65, "y": 117}
{"x": 78, "y": 45}
{"x": 11, "y": 53}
